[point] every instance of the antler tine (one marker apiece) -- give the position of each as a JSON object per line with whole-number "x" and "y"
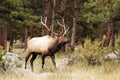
{"x": 44, "y": 24}
{"x": 66, "y": 31}
{"x": 63, "y": 25}
{"x": 45, "y": 20}
{"x": 60, "y": 25}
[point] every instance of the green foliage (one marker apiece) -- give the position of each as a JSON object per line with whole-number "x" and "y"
{"x": 19, "y": 14}
{"x": 16, "y": 15}
{"x": 94, "y": 51}
{"x": 101, "y": 10}
{"x": 2, "y": 52}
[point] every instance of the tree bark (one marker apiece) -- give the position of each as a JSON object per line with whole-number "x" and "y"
{"x": 63, "y": 16}
{"x": 46, "y": 13}
{"x": 73, "y": 38}
{"x": 3, "y": 35}
{"x": 113, "y": 38}
{"x": 25, "y": 39}
{"x": 100, "y": 38}
{"x": 109, "y": 34}
{"x": 11, "y": 44}
{"x": 53, "y": 17}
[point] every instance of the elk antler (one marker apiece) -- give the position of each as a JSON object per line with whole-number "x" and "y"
{"x": 64, "y": 27}
{"x": 45, "y": 24}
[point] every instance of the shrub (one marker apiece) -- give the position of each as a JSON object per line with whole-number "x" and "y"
{"x": 2, "y": 52}
{"x": 93, "y": 52}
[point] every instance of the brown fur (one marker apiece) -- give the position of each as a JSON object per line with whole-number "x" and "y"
{"x": 45, "y": 46}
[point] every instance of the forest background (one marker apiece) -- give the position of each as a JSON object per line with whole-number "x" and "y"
{"x": 20, "y": 19}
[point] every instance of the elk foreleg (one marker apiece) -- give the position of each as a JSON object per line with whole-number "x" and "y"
{"x": 53, "y": 60}
{"x": 43, "y": 60}
{"x": 32, "y": 59}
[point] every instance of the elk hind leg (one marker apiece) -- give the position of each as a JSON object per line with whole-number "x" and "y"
{"x": 26, "y": 59}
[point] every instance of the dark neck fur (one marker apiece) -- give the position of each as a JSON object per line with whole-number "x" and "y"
{"x": 57, "y": 47}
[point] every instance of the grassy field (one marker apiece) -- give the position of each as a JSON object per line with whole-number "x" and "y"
{"x": 77, "y": 71}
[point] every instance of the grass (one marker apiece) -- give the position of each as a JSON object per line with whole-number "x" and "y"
{"x": 78, "y": 71}
{"x": 81, "y": 71}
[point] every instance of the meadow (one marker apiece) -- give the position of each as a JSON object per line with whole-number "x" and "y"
{"x": 79, "y": 70}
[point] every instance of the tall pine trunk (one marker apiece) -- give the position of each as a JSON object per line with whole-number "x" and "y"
{"x": 110, "y": 34}
{"x": 53, "y": 17}
{"x": 63, "y": 15}
{"x": 113, "y": 38}
{"x": 100, "y": 38}
{"x": 11, "y": 44}
{"x": 3, "y": 36}
{"x": 25, "y": 38}
{"x": 46, "y": 14}
{"x": 73, "y": 38}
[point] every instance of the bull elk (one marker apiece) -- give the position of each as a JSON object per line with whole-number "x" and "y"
{"x": 46, "y": 45}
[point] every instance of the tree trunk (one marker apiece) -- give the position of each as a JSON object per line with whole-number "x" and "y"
{"x": 109, "y": 34}
{"x": 46, "y": 13}
{"x": 63, "y": 15}
{"x": 100, "y": 38}
{"x": 53, "y": 17}
{"x": 25, "y": 38}
{"x": 63, "y": 10}
{"x": 32, "y": 32}
{"x": 3, "y": 35}
{"x": 113, "y": 38}
{"x": 11, "y": 44}
{"x": 73, "y": 38}
{"x": 119, "y": 33}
